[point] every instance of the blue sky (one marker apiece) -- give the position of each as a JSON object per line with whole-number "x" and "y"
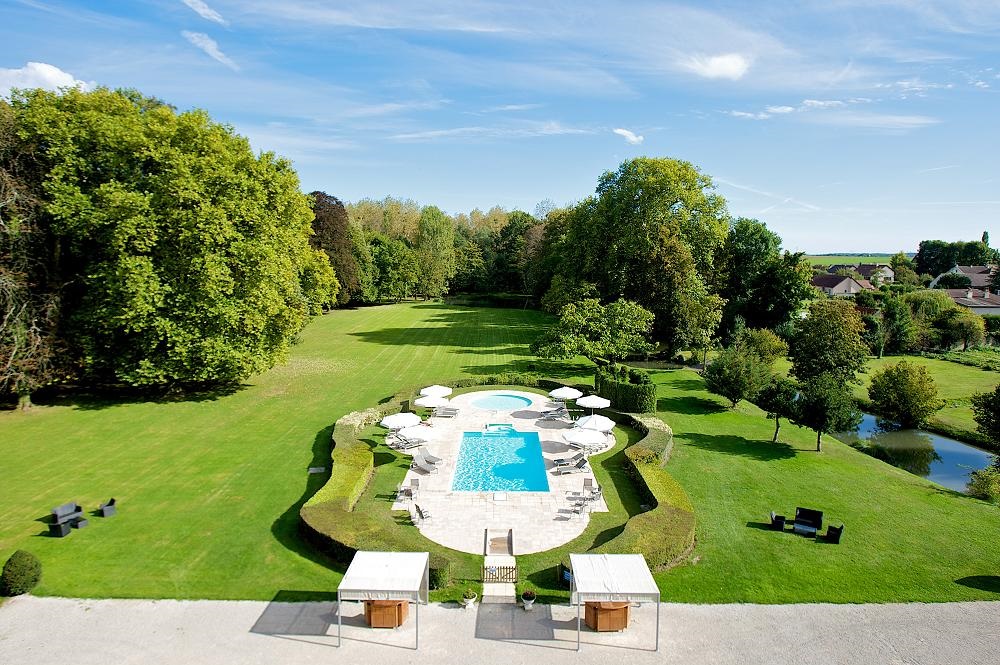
{"x": 844, "y": 125}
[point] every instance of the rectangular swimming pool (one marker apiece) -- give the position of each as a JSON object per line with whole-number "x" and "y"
{"x": 500, "y": 460}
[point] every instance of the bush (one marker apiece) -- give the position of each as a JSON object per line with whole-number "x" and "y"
{"x": 21, "y": 574}
{"x": 985, "y": 483}
{"x": 441, "y": 571}
{"x": 905, "y": 393}
{"x": 629, "y": 389}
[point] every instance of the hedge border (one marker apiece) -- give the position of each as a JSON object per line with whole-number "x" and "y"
{"x": 664, "y": 534}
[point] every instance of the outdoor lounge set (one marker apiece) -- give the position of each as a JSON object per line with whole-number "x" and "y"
{"x": 808, "y": 522}
{"x": 70, "y": 516}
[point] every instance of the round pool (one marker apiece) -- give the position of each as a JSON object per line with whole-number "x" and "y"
{"x": 501, "y": 402}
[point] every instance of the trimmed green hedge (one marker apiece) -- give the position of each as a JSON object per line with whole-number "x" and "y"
{"x": 629, "y": 389}
{"x": 21, "y": 574}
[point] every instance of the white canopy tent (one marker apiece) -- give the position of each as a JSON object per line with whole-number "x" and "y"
{"x": 612, "y": 577}
{"x": 386, "y": 576}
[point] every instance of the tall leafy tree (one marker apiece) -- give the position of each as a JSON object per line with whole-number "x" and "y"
{"x": 186, "y": 255}
{"x": 592, "y": 330}
{"x": 332, "y": 234}
{"x": 826, "y": 405}
{"x": 904, "y": 393}
{"x": 435, "y": 251}
{"x": 778, "y": 398}
{"x": 396, "y": 268}
{"x": 508, "y": 255}
{"x": 736, "y": 374}
{"x": 829, "y": 341}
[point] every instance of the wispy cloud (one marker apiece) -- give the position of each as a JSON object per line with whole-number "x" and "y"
{"x": 39, "y": 75}
{"x": 210, "y": 47}
{"x": 206, "y": 12}
{"x": 630, "y": 137}
{"x": 748, "y": 115}
{"x": 511, "y": 108}
{"x": 780, "y": 199}
{"x": 822, "y": 103}
{"x": 938, "y": 168}
{"x": 426, "y": 16}
{"x": 730, "y": 66}
{"x": 390, "y": 108}
{"x": 883, "y": 121}
{"x": 525, "y": 130}
{"x": 958, "y": 203}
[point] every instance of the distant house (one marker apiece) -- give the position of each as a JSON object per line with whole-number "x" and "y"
{"x": 980, "y": 301}
{"x": 881, "y": 272}
{"x": 838, "y": 285}
{"x": 978, "y": 275}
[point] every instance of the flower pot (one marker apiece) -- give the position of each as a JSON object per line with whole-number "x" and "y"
{"x": 469, "y": 602}
{"x": 528, "y": 602}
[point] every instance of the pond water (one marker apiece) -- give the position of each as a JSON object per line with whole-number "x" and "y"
{"x": 938, "y": 458}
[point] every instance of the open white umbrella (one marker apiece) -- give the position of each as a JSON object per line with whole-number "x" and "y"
{"x": 400, "y": 420}
{"x": 593, "y": 402}
{"x": 565, "y": 393}
{"x": 417, "y": 433}
{"x": 436, "y": 391}
{"x": 431, "y": 401}
{"x": 598, "y": 423}
{"x": 585, "y": 437}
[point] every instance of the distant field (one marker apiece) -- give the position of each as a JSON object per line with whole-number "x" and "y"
{"x": 830, "y": 259}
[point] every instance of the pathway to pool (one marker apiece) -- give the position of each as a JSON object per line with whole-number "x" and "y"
{"x": 540, "y": 520}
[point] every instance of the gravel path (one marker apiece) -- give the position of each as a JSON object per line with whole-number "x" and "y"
{"x": 63, "y": 631}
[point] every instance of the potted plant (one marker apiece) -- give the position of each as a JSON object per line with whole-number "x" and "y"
{"x": 468, "y": 597}
{"x": 528, "y": 598}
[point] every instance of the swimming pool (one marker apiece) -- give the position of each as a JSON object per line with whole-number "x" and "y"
{"x": 500, "y": 460}
{"x": 501, "y": 402}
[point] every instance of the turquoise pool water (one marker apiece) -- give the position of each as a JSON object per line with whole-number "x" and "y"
{"x": 501, "y": 402}
{"x": 500, "y": 460}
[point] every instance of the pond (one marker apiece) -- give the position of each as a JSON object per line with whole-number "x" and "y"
{"x": 938, "y": 458}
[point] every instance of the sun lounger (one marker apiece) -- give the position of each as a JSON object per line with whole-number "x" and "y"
{"x": 587, "y": 449}
{"x": 555, "y": 414}
{"x": 398, "y": 442}
{"x": 575, "y": 468}
{"x": 445, "y": 412}
{"x": 569, "y": 461}
{"x": 421, "y": 463}
{"x": 422, "y": 513}
{"x": 427, "y": 456}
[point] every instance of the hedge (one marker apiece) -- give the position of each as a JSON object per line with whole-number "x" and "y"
{"x": 328, "y": 520}
{"x": 21, "y": 574}
{"x": 629, "y": 389}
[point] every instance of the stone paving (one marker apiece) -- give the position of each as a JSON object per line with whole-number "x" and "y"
{"x": 540, "y": 520}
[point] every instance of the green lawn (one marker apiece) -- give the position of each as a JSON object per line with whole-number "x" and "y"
{"x": 209, "y": 490}
{"x": 905, "y": 539}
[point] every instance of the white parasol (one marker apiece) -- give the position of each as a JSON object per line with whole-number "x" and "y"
{"x": 417, "y": 433}
{"x": 593, "y": 402}
{"x": 565, "y": 393}
{"x": 585, "y": 437}
{"x": 400, "y": 420}
{"x": 431, "y": 401}
{"x": 599, "y": 423}
{"x": 436, "y": 391}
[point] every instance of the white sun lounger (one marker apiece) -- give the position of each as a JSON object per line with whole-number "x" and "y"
{"x": 421, "y": 463}
{"x": 427, "y": 456}
{"x": 575, "y": 468}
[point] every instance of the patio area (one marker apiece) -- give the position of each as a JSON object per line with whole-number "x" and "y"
{"x": 540, "y": 520}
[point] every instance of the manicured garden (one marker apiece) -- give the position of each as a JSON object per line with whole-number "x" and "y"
{"x": 210, "y": 488}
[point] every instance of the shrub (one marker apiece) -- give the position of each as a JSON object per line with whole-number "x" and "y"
{"x": 629, "y": 389}
{"x": 985, "y": 483}
{"x": 904, "y": 392}
{"x": 21, "y": 574}
{"x": 765, "y": 343}
{"x": 441, "y": 571}
{"x": 736, "y": 374}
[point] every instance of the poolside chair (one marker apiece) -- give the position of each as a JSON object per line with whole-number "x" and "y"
{"x": 421, "y": 464}
{"x": 579, "y": 509}
{"x": 575, "y": 468}
{"x": 569, "y": 461}
{"x": 422, "y": 513}
{"x": 108, "y": 509}
{"x": 427, "y": 456}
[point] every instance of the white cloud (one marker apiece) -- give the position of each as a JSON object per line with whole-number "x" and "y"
{"x": 938, "y": 168}
{"x": 523, "y": 130}
{"x": 630, "y": 137}
{"x": 39, "y": 75}
{"x": 728, "y": 66}
{"x": 510, "y": 108}
{"x": 390, "y": 108}
{"x": 749, "y": 116}
{"x": 884, "y": 121}
{"x": 780, "y": 110}
{"x": 210, "y": 47}
{"x": 981, "y": 84}
{"x": 822, "y": 103}
{"x": 206, "y": 12}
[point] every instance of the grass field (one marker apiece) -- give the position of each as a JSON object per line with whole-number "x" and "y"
{"x": 905, "y": 539}
{"x": 209, "y": 489}
{"x": 831, "y": 259}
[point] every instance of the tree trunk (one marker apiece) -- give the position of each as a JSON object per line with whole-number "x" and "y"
{"x": 24, "y": 401}
{"x": 819, "y": 441}
{"x": 777, "y": 426}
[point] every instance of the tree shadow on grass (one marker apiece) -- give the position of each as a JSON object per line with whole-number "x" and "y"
{"x": 547, "y": 368}
{"x": 982, "y": 582}
{"x": 96, "y": 399}
{"x": 736, "y": 445}
{"x": 691, "y": 405}
{"x": 287, "y": 528}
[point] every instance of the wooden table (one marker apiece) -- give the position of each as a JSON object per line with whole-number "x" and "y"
{"x": 386, "y": 613}
{"x": 605, "y": 616}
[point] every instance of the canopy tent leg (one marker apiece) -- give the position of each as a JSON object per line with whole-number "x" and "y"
{"x": 578, "y": 629}
{"x": 416, "y": 612}
{"x": 340, "y": 619}
{"x": 657, "y": 648}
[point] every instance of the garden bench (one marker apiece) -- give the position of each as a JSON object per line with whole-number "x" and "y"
{"x": 807, "y": 521}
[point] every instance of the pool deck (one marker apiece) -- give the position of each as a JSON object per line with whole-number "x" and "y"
{"x": 540, "y": 520}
